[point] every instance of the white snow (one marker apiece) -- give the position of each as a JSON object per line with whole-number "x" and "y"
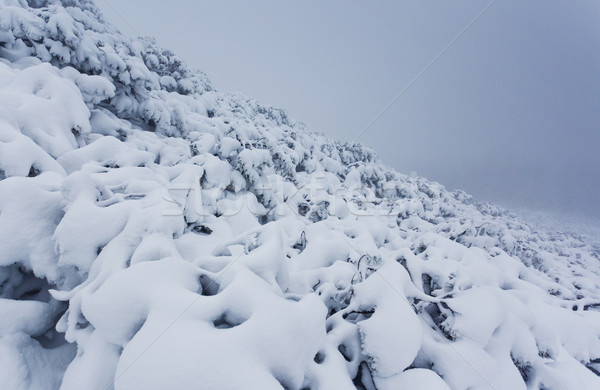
{"x": 156, "y": 233}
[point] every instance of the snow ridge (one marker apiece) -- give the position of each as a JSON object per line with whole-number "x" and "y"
{"x": 157, "y": 233}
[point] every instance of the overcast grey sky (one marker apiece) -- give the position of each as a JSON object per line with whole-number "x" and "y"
{"x": 510, "y": 112}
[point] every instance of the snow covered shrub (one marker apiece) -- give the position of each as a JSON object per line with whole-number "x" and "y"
{"x": 157, "y": 233}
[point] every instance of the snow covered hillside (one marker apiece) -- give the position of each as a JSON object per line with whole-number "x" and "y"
{"x": 158, "y": 234}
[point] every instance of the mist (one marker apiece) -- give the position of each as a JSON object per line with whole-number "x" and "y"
{"x": 510, "y": 112}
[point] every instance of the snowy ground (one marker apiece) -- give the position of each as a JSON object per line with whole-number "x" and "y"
{"x": 586, "y": 227}
{"x": 159, "y": 234}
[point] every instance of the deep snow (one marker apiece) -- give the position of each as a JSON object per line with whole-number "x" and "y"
{"x": 156, "y": 233}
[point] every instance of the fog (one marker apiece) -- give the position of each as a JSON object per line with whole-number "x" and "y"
{"x": 510, "y": 112}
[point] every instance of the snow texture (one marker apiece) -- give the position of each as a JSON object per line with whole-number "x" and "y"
{"x": 156, "y": 233}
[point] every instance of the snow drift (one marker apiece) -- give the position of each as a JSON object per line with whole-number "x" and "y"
{"x": 156, "y": 233}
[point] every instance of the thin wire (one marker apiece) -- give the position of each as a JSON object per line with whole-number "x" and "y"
{"x": 359, "y": 135}
{"x": 114, "y": 8}
{"x": 423, "y": 72}
{"x": 123, "y": 17}
{"x": 174, "y": 321}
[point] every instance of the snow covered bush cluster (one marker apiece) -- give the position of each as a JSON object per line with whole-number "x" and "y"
{"x": 156, "y": 233}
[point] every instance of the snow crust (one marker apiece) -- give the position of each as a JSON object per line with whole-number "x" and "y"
{"x": 157, "y": 234}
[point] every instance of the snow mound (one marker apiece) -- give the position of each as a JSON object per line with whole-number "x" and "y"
{"x": 157, "y": 233}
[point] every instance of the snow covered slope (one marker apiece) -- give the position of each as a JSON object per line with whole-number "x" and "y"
{"x": 156, "y": 233}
